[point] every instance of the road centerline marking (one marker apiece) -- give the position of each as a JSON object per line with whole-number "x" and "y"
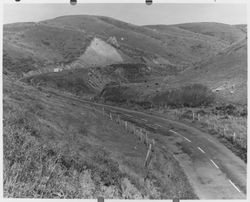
{"x": 187, "y": 139}
{"x": 173, "y": 132}
{"x": 214, "y": 164}
{"x": 234, "y": 186}
{"x": 180, "y": 135}
{"x": 201, "y": 150}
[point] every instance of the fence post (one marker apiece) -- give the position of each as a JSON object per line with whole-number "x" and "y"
{"x": 141, "y": 136}
{"x": 146, "y": 163}
{"x": 118, "y": 119}
{"x": 103, "y": 112}
{"x": 126, "y": 125}
{"x": 216, "y": 128}
{"x": 224, "y": 132}
{"x": 110, "y": 116}
{"x": 131, "y": 128}
{"x": 198, "y": 116}
{"x": 234, "y": 137}
{"x": 146, "y": 138}
{"x": 153, "y": 145}
{"x": 193, "y": 115}
{"x": 135, "y": 132}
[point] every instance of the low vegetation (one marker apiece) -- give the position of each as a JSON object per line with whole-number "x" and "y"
{"x": 193, "y": 95}
{"x": 132, "y": 72}
{"x": 114, "y": 92}
{"x": 74, "y": 81}
{"x": 17, "y": 67}
{"x": 56, "y": 148}
{"x": 39, "y": 164}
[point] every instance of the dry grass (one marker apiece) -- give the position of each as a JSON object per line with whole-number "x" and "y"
{"x": 54, "y": 158}
{"x": 36, "y": 170}
{"x": 56, "y": 148}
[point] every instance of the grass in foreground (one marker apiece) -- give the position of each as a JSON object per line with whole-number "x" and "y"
{"x": 56, "y": 148}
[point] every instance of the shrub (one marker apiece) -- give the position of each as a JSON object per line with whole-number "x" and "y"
{"x": 230, "y": 109}
{"x": 196, "y": 95}
{"x": 114, "y": 93}
{"x": 129, "y": 191}
{"x": 193, "y": 95}
{"x": 188, "y": 114}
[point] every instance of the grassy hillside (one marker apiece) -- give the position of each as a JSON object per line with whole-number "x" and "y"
{"x": 139, "y": 41}
{"x": 59, "y": 45}
{"x": 75, "y": 82}
{"x": 58, "y": 148}
{"x": 225, "y": 74}
{"x": 55, "y": 147}
{"x": 90, "y": 81}
{"x": 84, "y": 41}
{"x": 210, "y": 53}
{"x": 224, "y": 32}
{"x": 38, "y": 48}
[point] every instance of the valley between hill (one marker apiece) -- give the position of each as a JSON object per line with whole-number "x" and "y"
{"x": 194, "y": 75}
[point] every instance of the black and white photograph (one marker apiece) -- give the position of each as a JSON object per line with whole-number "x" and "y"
{"x": 124, "y": 101}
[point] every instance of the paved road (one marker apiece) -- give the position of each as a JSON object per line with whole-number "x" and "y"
{"x": 212, "y": 169}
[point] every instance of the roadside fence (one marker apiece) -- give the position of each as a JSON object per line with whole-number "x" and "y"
{"x": 142, "y": 134}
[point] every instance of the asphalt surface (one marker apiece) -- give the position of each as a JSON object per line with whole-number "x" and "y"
{"x": 212, "y": 169}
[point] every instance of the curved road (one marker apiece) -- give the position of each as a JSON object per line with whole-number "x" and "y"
{"x": 212, "y": 169}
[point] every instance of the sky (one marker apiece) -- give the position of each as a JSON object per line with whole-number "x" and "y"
{"x": 139, "y": 14}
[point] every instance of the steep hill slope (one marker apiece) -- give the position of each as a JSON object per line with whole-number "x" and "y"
{"x": 82, "y": 41}
{"x": 40, "y": 48}
{"x": 225, "y": 32}
{"x": 212, "y": 53}
{"x": 138, "y": 41}
{"x": 225, "y": 74}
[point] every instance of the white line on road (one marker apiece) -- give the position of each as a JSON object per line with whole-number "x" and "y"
{"x": 187, "y": 139}
{"x": 201, "y": 150}
{"x": 173, "y": 132}
{"x": 234, "y": 186}
{"x": 180, "y": 135}
{"x": 158, "y": 125}
{"x": 214, "y": 163}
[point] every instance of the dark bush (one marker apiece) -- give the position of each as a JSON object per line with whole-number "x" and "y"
{"x": 193, "y": 95}
{"x": 244, "y": 112}
{"x": 144, "y": 104}
{"x": 46, "y": 43}
{"x": 188, "y": 114}
{"x": 230, "y": 109}
{"x": 114, "y": 94}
